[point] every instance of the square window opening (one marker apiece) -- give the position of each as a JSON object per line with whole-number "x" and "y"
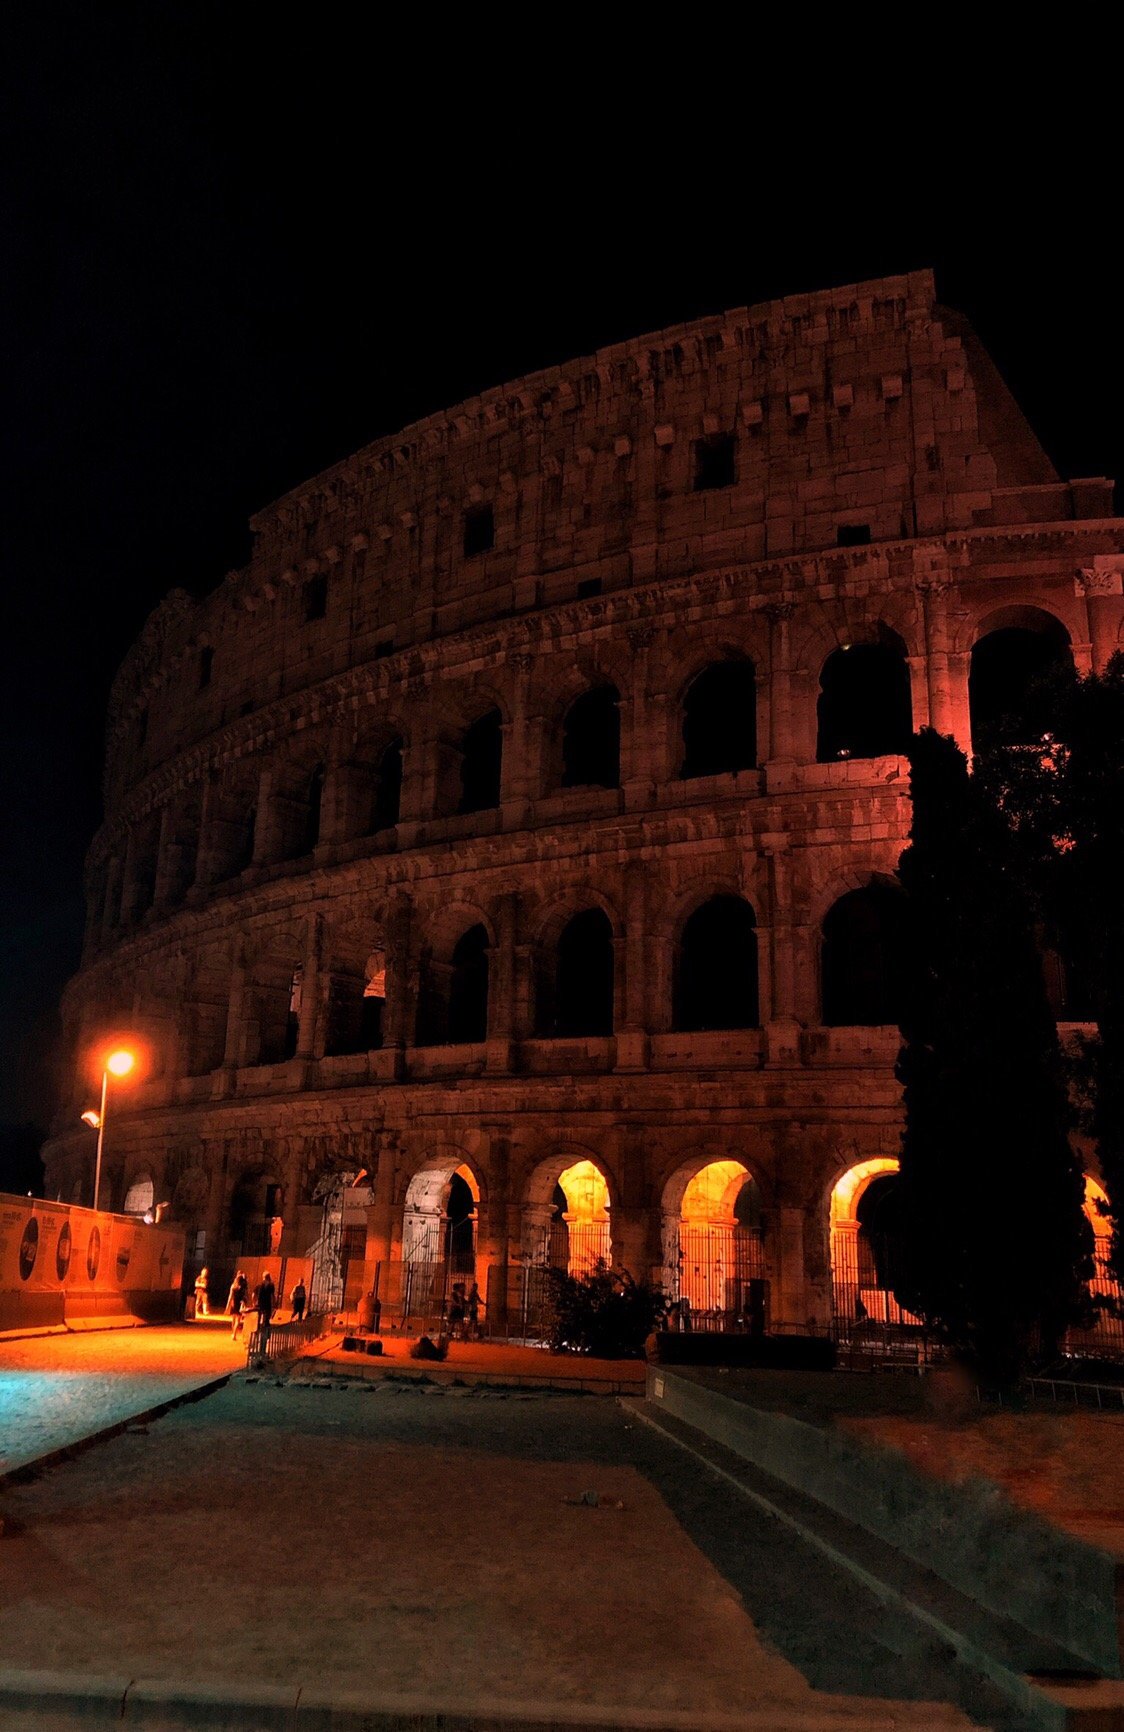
{"x": 315, "y": 597}
{"x": 479, "y": 531}
{"x": 714, "y": 462}
{"x": 853, "y": 534}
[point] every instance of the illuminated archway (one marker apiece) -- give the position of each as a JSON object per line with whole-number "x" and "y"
{"x": 566, "y": 1218}
{"x": 439, "y": 1226}
{"x": 713, "y": 1248}
{"x": 862, "y": 1222}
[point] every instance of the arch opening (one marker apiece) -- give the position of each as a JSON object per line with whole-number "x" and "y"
{"x": 439, "y": 1237}
{"x": 716, "y": 967}
{"x": 576, "y": 982}
{"x": 862, "y": 958}
{"x": 386, "y": 794}
{"x": 720, "y": 720}
{"x": 140, "y": 1198}
{"x": 591, "y": 740}
{"x": 1013, "y": 665}
{"x": 714, "y": 1248}
{"x": 481, "y": 764}
{"x": 572, "y": 1230}
{"x": 865, "y": 1221}
{"x": 865, "y": 708}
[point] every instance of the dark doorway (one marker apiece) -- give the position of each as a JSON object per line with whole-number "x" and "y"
{"x": 716, "y": 981}
{"x": 482, "y": 756}
{"x": 583, "y": 985}
{"x": 865, "y": 709}
{"x": 1009, "y": 693}
{"x": 861, "y": 960}
{"x": 591, "y": 740}
{"x": 386, "y": 802}
{"x": 720, "y": 720}
{"x": 468, "y": 988}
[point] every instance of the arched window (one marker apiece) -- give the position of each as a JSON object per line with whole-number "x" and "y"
{"x": 716, "y": 976}
{"x": 387, "y": 796}
{"x": 864, "y": 709}
{"x": 278, "y": 1001}
{"x": 591, "y": 740}
{"x": 720, "y": 720}
{"x": 468, "y": 988}
{"x": 1009, "y": 682}
{"x": 140, "y": 1197}
{"x": 481, "y": 759}
{"x": 861, "y": 958}
{"x": 314, "y": 798}
{"x": 581, "y": 1002}
{"x": 374, "y": 1003}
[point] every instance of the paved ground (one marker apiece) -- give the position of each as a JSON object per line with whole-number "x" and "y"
{"x": 428, "y": 1541}
{"x": 57, "y": 1389}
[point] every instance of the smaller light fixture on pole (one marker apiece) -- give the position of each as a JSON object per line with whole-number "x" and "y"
{"x": 119, "y": 1063}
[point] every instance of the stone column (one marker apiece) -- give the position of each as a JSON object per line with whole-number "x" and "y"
{"x": 311, "y": 1030}
{"x": 1102, "y": 585}
{"x": 641, "y": 754}
{"x": 522, "y": 771}
{"x": 782, "y": 743}
{"x": 779, "y": 997}
{"x": 398, "y": 1012}
{"x": 632, "y": 1036}
{"x": 501, "y": 985}
{"x": 932, "y": 595}
{"x": 236, "y": 1010}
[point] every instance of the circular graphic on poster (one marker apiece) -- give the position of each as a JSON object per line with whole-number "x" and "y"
{"x": 124, "y": 1252}
{"x": 63, "y": 1251}
{"x": 93, "y": 1253}
{"x": 29, "y": 1248}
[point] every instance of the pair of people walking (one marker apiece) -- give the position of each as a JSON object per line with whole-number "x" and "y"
{"x": 265, "y": 1302}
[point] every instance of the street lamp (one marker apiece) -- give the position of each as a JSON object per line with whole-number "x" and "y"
{"x": 119, "y": 1064}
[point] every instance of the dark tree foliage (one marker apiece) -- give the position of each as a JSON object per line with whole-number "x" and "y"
{"x": 21, "y": 1170}
{"x": 605, "y": 1313}
{"x": 995, "y": 1248}
{"x": 1064, "y": 803}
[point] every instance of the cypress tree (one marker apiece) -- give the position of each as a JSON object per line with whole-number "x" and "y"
{"x": 1065, "y": 809}
{"x": 995, "y": 1246}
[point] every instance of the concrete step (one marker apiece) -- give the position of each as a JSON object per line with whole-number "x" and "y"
{"x": 1000, "y": 1673}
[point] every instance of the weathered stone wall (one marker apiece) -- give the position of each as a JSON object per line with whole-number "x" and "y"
{"x": 883, "y": 489}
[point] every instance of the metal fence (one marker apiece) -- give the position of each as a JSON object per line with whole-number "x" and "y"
{"x": 278, "y": 1341}
{"x": 718, "y": 1281}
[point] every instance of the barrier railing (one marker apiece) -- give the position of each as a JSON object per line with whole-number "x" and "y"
{"x": 282, "y": 1340}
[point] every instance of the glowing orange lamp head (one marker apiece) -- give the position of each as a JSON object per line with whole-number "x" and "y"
{"x": 120, "y": 1063}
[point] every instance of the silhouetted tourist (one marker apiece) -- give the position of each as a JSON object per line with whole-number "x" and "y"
{"x": 456, "y": 1310}
{"x": 264, "y": 1300}
{"x": 236, "y": 1304}
{"x": 298, "y": 1301}
{"x": 472, "y": 1309}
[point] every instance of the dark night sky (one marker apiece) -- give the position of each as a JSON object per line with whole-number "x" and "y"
{"x": 240, "y": 241}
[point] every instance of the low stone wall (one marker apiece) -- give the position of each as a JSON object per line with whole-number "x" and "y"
{"x": 1006, "y": 1559}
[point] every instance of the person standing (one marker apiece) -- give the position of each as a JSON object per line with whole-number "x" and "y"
{"x": 236, "y": 1304}
{"x": 264, "y": 1300}
{"x": 472, "y": 1308}
{"x": 202, "y": 1302}
{"x": 298, "y": 1301}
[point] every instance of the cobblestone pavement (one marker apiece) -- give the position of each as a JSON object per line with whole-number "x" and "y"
{"x": 57, "y": 1389}
{"x": 436, "y": 1543}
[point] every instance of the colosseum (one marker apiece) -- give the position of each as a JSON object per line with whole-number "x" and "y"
{"x": 498, "y": 871}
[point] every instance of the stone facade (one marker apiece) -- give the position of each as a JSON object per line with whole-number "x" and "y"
{"x": 330, "y": 974}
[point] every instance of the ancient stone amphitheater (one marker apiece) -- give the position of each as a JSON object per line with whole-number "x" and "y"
{"x": 497, "y": 870}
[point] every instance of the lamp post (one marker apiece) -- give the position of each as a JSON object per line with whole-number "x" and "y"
{"x": 119, "y": 1063}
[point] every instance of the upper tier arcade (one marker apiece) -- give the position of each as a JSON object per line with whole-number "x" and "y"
{"x": 865, "y": 415}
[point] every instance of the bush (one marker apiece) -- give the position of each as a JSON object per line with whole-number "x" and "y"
{"x": 605, "y": 1313}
